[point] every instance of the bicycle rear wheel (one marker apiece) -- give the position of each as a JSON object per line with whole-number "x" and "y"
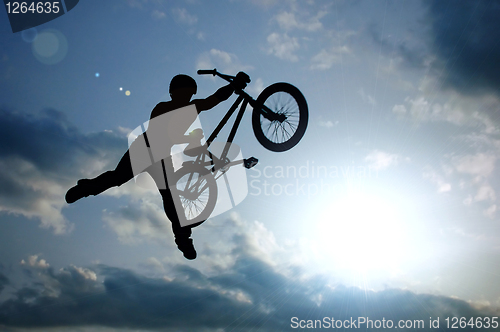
{"x": 284, "y": 129}
{"x": 196, "y": 191}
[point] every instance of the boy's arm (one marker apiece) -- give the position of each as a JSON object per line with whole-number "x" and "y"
{"x": 210, "y": 102}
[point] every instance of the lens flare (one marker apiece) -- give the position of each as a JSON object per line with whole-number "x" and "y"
{"x": 50, "y": 47}
{"x": 29, "y": 35}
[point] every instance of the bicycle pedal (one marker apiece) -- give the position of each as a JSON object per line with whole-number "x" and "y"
{"x": 250, "y": 162}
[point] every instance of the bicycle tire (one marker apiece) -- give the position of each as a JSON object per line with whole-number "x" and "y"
{"x": 196, "y": 204}
{"x": 282, "y": 98}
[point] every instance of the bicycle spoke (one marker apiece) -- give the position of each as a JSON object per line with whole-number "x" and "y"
{"x": 194, "y": 194}
{"x": 284, "y": 126}
{"x": 279, "y": 132}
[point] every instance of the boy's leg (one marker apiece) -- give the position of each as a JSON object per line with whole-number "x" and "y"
{"x": 85, "y": 187}
{"x": 181, "y": 234}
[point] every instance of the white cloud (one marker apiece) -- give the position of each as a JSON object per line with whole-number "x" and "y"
{"x": 158, "y": 15}
{"x": 367, "y": 98}
{"x": 181, "y": 15}
{"x": 85, "y": 273}
{"x": 141, "y": 220}
{"x": 480, "y": 164}
{"x": 256, "y": 87}
{"x": 154, "y": 264}
{"x": 399, "y": 109}
{"x": 325, "y": 59}
{"x": 420, "y": 109}
{"x": 438, "y": 180}
{"x": 225, "y": 62}
{"x": 265, "y": 3}
{"x": 485, "y": 192}
{"x": 33, "y": 261}
{"x": 136, "y": 3}
{"x": 491, "y": 211}
{"x": 36, "y": 173}
{"x": 477, "y": 168}
{"x": 34, "y": 194}
{"x": 456, "y": 109}
{"x": 283, "y": 46}
{"x": 289, "y": 21}
{"x": 327, "y": 123}
{"x": 379, "y": 160}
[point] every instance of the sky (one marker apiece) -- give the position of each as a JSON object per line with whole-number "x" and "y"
{"x": 387, "y": 207}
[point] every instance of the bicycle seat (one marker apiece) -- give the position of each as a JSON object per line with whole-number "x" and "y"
{"x": 194, "y": 149}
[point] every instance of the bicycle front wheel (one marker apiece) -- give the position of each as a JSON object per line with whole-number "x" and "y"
{"x": 282, "y": 130}
{"x": 196, "y": 190}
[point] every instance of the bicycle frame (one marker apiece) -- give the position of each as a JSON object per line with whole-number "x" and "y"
{"x": 218, "y": 163}
{"x": 244, "y": 99}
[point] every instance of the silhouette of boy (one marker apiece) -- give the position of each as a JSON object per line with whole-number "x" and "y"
{"x": 181, "y": 89}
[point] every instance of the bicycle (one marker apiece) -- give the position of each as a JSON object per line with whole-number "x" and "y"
{"x": 279, "y": 121}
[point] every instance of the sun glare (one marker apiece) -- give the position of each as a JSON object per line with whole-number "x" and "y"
{"x": 362, "y": 232}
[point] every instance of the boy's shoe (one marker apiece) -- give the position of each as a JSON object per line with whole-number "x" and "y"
{"x": 187, "y": 248}
{"x": 82, "y": 189}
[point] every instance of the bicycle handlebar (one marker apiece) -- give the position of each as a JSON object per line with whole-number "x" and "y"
{"x": 214, "y": 72}
{"x": 207, "y": 71}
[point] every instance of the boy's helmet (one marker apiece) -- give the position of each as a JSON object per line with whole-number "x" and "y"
{"x": 182, "y": 81}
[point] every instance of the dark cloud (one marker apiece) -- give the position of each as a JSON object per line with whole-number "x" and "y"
{"x": 465, "y": 38}
{"x": 50, "y": 142}
{"x": 458, "y": 41}
{"x": 3, "y": 281}
{"x": 41, "y": 156}
{"x": 412, "y": 54}
{"x": 251, "y": 295}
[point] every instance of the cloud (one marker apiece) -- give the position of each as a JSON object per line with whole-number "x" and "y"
{"x": 380, "y": 160}
{"x": 3, "y": 281}
{"x": 367, "y": 98}
{"x": 325, "y": 59}
{"x": 412, "y": 53}
{"x": 399, "y": 109}
{"x": 225, "y": 62}
{"x": 480, "y": 164}
{"x": 327, "y": 123}
{"x": 456, "y": 109}
{"x": 283, "y": 46}
{"x": 459, "y": 52}
{"x": 251, "y": 294}
{"x": 256, "y": 86}
{"x": 158, "y": 15}
{"x": 485, "y": 192}
{"x": 491, "y": 211}
{"x": 464, "y": 40}
{"x": 181, "y": 15}
{"x": 438, "y": 180}
{"x": 200, "y": 35}
{"x": 43, "y": 158}
{"x": 136, "y": 3}
{"x": 289, "y": 21}
{"x": 143, "y": 219}
{"x": 33, "y": 261}
{"x": 265, "y": 3}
